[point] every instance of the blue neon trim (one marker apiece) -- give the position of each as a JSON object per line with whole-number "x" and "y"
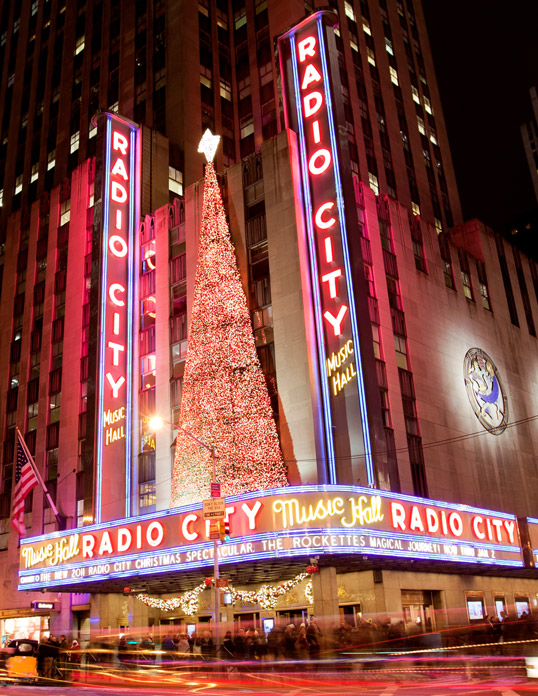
{"x": 343, "y": 234}
{"x": 101, "y": 380}
{"x": 327, "y": 415}
{"x": 284, "y": 491}
{"x": 130, "y": 318}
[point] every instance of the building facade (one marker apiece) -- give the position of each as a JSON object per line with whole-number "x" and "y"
{"x": 444, "y": 313}
{"x": 528, "y": 135}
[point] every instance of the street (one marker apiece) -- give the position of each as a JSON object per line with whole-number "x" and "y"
{"x": 502, "y": 680}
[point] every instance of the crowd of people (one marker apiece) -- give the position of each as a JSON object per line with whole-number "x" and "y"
{"x": 54, "y": 654}
{"x": 300, "y": 641}
{"x": 306, "y": 641}
{"x": 291, "y": 642}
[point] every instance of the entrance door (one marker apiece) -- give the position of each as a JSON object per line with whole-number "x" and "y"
{"x": 417, "y": 607}
{"x": 82, "y": 627}
{"x": 297, "y": 617}
{"x": 247, "y": 621}
{"x": 349, "y": 614}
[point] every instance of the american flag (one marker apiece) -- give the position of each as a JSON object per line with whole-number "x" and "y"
{"x": 25, "y": 480}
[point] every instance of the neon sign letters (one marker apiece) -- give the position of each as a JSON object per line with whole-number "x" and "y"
{"x": 115, "y": 383}
{"x": 307, "y": 75}
{"x": 269, "y": 524}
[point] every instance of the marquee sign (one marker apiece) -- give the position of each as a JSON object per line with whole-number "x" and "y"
{"x": 279, "y": 523}
{"x": 117, "y": 293}
{"x": 532, "y": 537}
{"x": 309, "y": 106}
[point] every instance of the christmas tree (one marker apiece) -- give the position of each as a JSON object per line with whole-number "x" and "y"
{"x": 225, "y": 403}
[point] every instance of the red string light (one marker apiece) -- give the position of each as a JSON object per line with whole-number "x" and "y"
{"x": 225, "y": 402}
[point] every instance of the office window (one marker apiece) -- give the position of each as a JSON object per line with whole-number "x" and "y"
{"x": 247, "y": 128}
{"x": 447, "y": 262}
{"x": 427, "y": 106}
{"x": 400, "y": 345}
{"x": 348, "y": 9}
{"x": 175, "y": 181}
{"x": 499, "y": 243}
{"x": 240, "y": 18}
{"x": 376, "y": 337}
{"x": 524, "y": 292}
{"x": 75, "y": 142}
{"x": 65, "y": 212}
{"x": 226, "y": 90}
{"x": 483, "y": 283}
{"x": 79, "y": 45}
{"x": 374, "y": 183}
{"x": 418, "y": 245}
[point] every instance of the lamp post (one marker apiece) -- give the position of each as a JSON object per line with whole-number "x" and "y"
{"x": 156, "y": 423}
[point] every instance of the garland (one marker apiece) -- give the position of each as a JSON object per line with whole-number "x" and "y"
{"x": 266, "y": 597}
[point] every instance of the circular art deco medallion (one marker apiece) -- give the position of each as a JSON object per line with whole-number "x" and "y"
{"x": 485, "y": 391}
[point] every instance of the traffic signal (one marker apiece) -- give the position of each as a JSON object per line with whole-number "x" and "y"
{"x": 224, "y": 530}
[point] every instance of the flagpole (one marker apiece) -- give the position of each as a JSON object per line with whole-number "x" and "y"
{"x": 39, "y": 477}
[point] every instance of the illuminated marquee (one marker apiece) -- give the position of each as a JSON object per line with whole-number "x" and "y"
{"x": 531, "y": 538}
{"x": 274, "y": 524}
{"x": 309, "y": 109}
{"x": 118, "y": 279}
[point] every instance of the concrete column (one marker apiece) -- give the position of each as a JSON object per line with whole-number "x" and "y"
{"x": 62, "y": 621}
{"x": 325, "y": 590}
{"x": 109, "y": 611}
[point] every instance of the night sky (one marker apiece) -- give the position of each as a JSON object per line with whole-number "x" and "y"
{"x": 486, "y": 59}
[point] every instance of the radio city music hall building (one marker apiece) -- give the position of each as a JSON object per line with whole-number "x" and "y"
{"x": 400, "y": 360}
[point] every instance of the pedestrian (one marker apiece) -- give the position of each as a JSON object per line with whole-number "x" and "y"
{"x": 313, "y": 638}
{"x": 288, "y": 642}
{"x": 228, "y": 646}
{"x": 182, "y": 646}
{"x": 123, "y": 652}
{"x": 207, "y": 646}
{"x": 44, "y": 658}
{"x": 169, "y": 649}
{"x": 240, "y": 648}
{"x": 147, "y": 649}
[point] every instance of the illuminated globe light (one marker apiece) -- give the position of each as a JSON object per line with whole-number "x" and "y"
{"x": 225, "y": 403}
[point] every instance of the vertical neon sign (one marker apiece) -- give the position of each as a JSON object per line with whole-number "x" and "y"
{"x": 117, "y": 292}
{"x": 309, "y": 111}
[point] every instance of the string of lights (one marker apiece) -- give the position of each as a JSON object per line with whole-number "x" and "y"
{"x": 266, "y": 596}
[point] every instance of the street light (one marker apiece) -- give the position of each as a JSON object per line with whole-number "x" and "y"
{"x": 156, "y": 423}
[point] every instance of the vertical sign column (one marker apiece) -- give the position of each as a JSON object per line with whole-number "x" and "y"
{"x": 118, "y": 280}
{"x": 309, "y": 110}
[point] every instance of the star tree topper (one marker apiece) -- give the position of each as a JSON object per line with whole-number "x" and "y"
{"x": 208, "y": 145}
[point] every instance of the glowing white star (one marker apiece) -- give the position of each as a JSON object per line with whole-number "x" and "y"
{"x": 208, "y": 145}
